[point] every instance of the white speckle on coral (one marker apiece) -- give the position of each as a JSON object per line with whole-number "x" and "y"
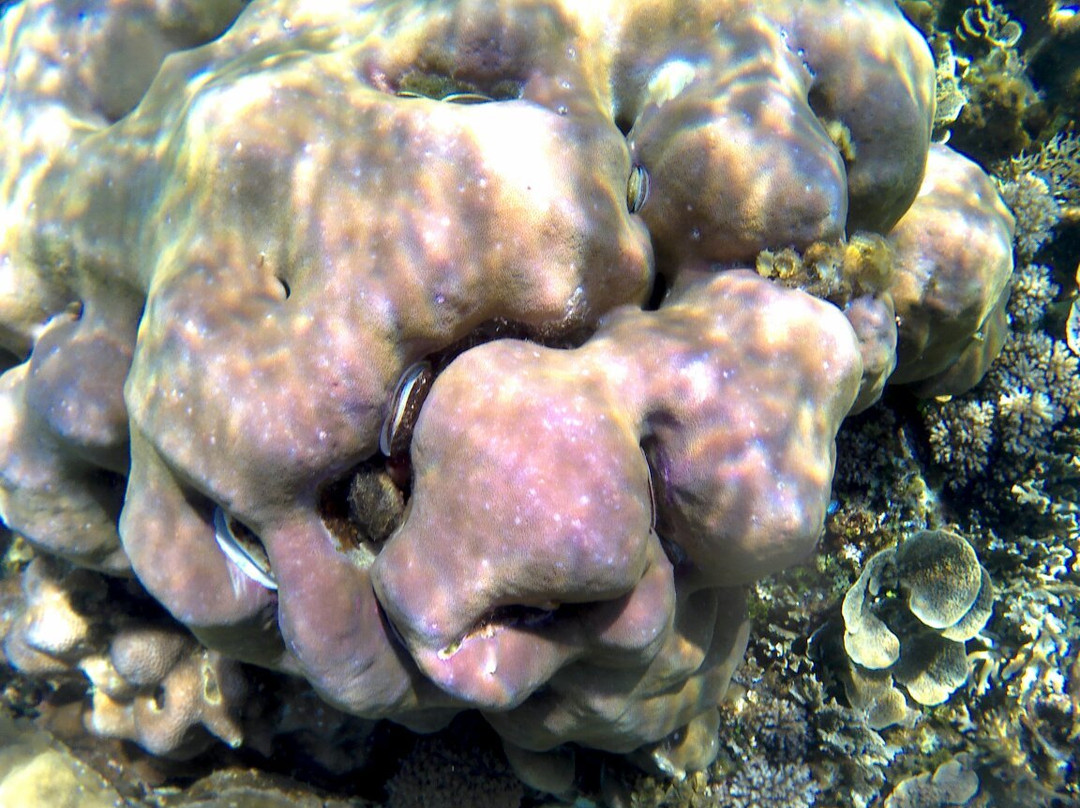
{"x": 669, "y": 80}
{"x": 699, "y": 376}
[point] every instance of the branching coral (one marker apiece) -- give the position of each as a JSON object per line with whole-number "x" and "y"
{"x": 1037, "y": 212}
{"x": 1057, "y": 161}
{"x": 1032, "y": 292}
{"x": 961, "y": 436}
{"x": 1018, "y": 428}
{"x": 1000, "y": 97}
{"x": 1025, "y": 685}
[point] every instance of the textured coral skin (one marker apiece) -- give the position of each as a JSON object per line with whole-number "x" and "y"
{"x": 955, "y": 258}
{"x": 563, "y": 430}
{"x": 217, "y": 293}
{"x": 738, "y": 123}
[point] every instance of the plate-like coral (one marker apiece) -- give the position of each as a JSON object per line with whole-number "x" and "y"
{"x": 935, "y": 577}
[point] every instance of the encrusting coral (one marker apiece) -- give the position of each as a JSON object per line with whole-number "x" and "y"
{"x": 418, "y": 352}
{"x": 152, "y": 684}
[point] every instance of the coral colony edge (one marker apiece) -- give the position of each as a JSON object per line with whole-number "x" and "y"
{"x": 534, "y": 402}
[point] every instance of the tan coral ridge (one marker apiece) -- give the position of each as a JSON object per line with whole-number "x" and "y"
{"x": 233, "y": 278}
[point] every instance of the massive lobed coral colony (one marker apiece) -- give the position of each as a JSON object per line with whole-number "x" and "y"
{"x": 419, "y": 349}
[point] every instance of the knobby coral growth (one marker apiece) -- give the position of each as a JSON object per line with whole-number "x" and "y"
{"x": 418, "y": 353}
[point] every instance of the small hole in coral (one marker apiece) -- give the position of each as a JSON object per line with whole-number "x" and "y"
{"x": 652, "y": 491}
{"x": 243, "y": 548}
{"x": 285, "y": 288}
{"x": 514, "y": 615}
{"x": 159, "y": 697}
{"x": 362, "y": 509}
{"x": 658, "y": 293}
{"x": 211, "y": 689}
{"x": 637, "y": 188}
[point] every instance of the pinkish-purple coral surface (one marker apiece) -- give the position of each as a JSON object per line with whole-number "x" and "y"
{"x": 416, "y": 349}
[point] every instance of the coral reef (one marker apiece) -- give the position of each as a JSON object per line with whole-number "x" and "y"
{"x": 151, "y": 684}
{"x": 991, "y": 107}
{"x": 950, "y": 784}
{"x": 954, "y": 256}
{"x": 1017, "y": 433}
{"x": 453, "y": 773}
{"x": 951, "y": 597}
{"x": 417, "y": 351}
{"x": 250, "y": 471}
